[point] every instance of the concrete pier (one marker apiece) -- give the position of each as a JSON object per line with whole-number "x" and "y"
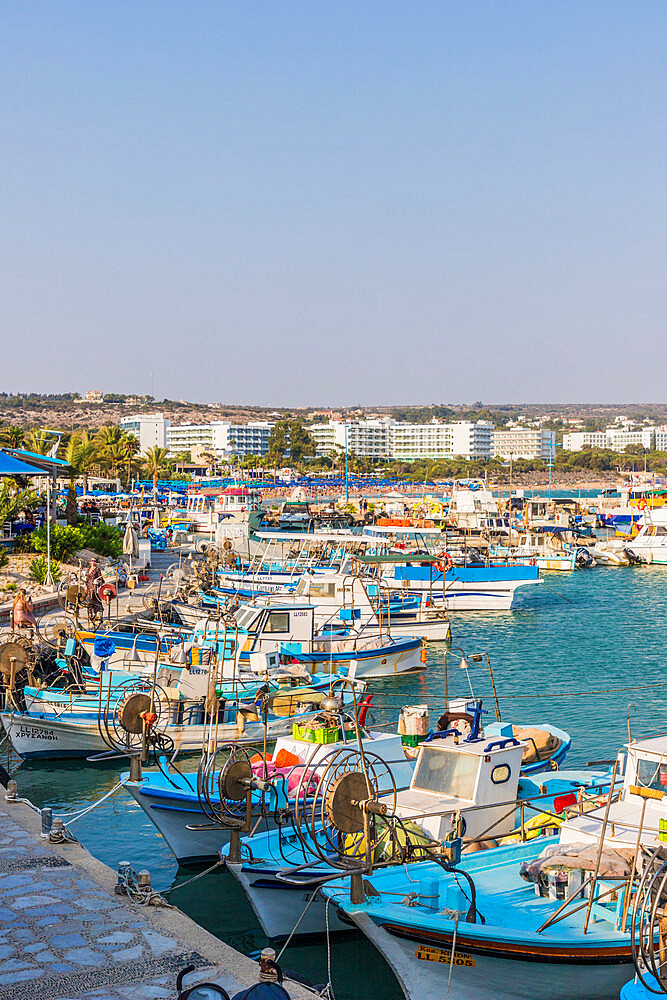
{"x": 65, "y": 935}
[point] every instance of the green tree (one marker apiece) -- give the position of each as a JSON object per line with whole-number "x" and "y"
{"x": 12, "y": 437}
{"x": 155, "y": 460}
{"x": 278, "y": 443}
{"x": 14, "y": 499}
{"x": 81, "y": 454}
{"x": 291, "y": 437}
{"x": 39, "y": 441}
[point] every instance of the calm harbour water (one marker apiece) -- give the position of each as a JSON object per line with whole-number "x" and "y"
{"x": 591, "y": 630}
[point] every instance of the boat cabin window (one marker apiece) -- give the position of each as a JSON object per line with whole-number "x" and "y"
{"x": 652, "y": 774}
{"x": 247, "y": 619}
{"x": 319, "y": 589}
{"x": 446, "y": 772}
{"x": 500, "y": 774}
{"x": 278, "y": 621}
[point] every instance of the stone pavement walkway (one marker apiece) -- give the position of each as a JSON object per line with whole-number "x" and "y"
{"x": 64, "y": 935}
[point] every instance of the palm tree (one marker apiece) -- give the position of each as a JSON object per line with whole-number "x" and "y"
{"x": 14, "y": 499}
{"x": 110, "y": 435}
{"x": 131, "y": 446}
{"x": 112, "y": 456}
{"x": 12, "y": 437}
{"x": 155, "y": 460}
{"x": 40, "y": 442}
{"x": 81, "y": 453}
{"x": 116, "y": 447}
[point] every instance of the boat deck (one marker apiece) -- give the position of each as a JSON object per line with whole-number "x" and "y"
{"x": 512, "y": 911}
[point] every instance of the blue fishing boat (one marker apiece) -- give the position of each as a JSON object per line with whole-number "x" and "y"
{"x": 473, "y": 784}
{"x": 497, "y": 923}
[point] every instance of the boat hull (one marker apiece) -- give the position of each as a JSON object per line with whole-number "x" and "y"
{"x": 172, "y": 821}
{"x": 422, "y": 967}
{"x": 279, "y": 905}
{"x": 34, "y": 736}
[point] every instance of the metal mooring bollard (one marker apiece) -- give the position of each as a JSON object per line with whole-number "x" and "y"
{"x": 12, "y": 793}
{"x": 268, "y": 972}
{"x": 120, "y": 887}
{"x": 144, "y": 879}
{"x": 57, "y": 834}
{"x": 47, "y": 820}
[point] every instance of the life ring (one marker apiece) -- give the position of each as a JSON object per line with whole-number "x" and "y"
{"x": 642, "y": 505}
{"x": 107, "y": 592}
{"x": 445, "y": 563}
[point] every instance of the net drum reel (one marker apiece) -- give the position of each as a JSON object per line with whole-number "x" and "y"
{"x": 56, "y": 631}
{"x": 336, "y": 820}
{"x": 648, "y": 929}
{"x": 71, "y": 595}
{"x": 17, "y": 661}
{"x": 129, "y": 719}
{"x": 229, "y": 771}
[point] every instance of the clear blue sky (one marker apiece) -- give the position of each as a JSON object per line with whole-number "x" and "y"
{"x": 317, "y": 202}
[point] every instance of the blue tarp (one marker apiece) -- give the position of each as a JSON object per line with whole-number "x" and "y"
{"x": 10, "y": 466}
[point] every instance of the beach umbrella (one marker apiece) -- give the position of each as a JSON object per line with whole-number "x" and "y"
{"x": 130, "y": 543}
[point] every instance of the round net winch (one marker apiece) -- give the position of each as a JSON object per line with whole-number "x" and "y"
{"x": 17, "y": 660}
{"x": 225, "y": 785}
{"x": 131, "y": 715}
{"x": 56, "y": 631}
{"x": 71, "y": 596}
{"x": 340, "y": 808}
{"x": 649, "y": 920}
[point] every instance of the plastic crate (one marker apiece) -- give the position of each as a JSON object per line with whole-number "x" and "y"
{"x": 320, "y": 735}
{"x": 412, "y": 741}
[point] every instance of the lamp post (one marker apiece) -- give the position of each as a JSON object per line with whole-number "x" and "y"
{"x": 462, "y": 665}
{"x": 347, "y": 485}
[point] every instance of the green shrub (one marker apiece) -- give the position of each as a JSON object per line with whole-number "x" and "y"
{"x": 65, "y": 541}
{"x": 38, "y": 568}
{"x": 4, "y": 557}
{"x": 105, "y": 539}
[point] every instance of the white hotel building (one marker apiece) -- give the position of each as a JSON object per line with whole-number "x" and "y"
{"x": 617, "y": 439}
{"x": 220, "y": 437}
{"x": 405, "y": 441}
{"x": 524, "y": 442}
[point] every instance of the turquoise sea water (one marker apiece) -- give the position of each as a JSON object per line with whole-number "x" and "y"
{"x": 591, "y": 630}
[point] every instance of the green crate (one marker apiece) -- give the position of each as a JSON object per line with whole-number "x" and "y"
{"x": 412, "y": 741}
{"x": 322, "y": 735}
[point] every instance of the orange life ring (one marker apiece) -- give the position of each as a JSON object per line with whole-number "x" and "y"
{"x": 441, "y": 566}
{"x": 107, "y": 592}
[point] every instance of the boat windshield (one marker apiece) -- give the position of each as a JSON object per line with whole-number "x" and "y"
{"x": 651, "y": 774}
{"x": 446, "y": 772}
{"x": 247, "y": 619}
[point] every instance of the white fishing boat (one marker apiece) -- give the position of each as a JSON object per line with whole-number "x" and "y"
{"x": 650, "y": 544}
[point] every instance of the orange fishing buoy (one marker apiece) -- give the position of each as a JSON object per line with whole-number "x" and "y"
{"x": 423, "y": 655}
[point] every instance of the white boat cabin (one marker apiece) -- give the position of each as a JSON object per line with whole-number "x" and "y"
{"x": 471, "y": 776}
{"x": 644, "y": 769}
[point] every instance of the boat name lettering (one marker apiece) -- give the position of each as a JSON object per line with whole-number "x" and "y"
{"x": 428, "y": 954}
{"x": 28, "y": 733}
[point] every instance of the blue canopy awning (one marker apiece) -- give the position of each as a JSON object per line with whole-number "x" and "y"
{"x": 10, "y": 466}
{"x": 41, "y": 460}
